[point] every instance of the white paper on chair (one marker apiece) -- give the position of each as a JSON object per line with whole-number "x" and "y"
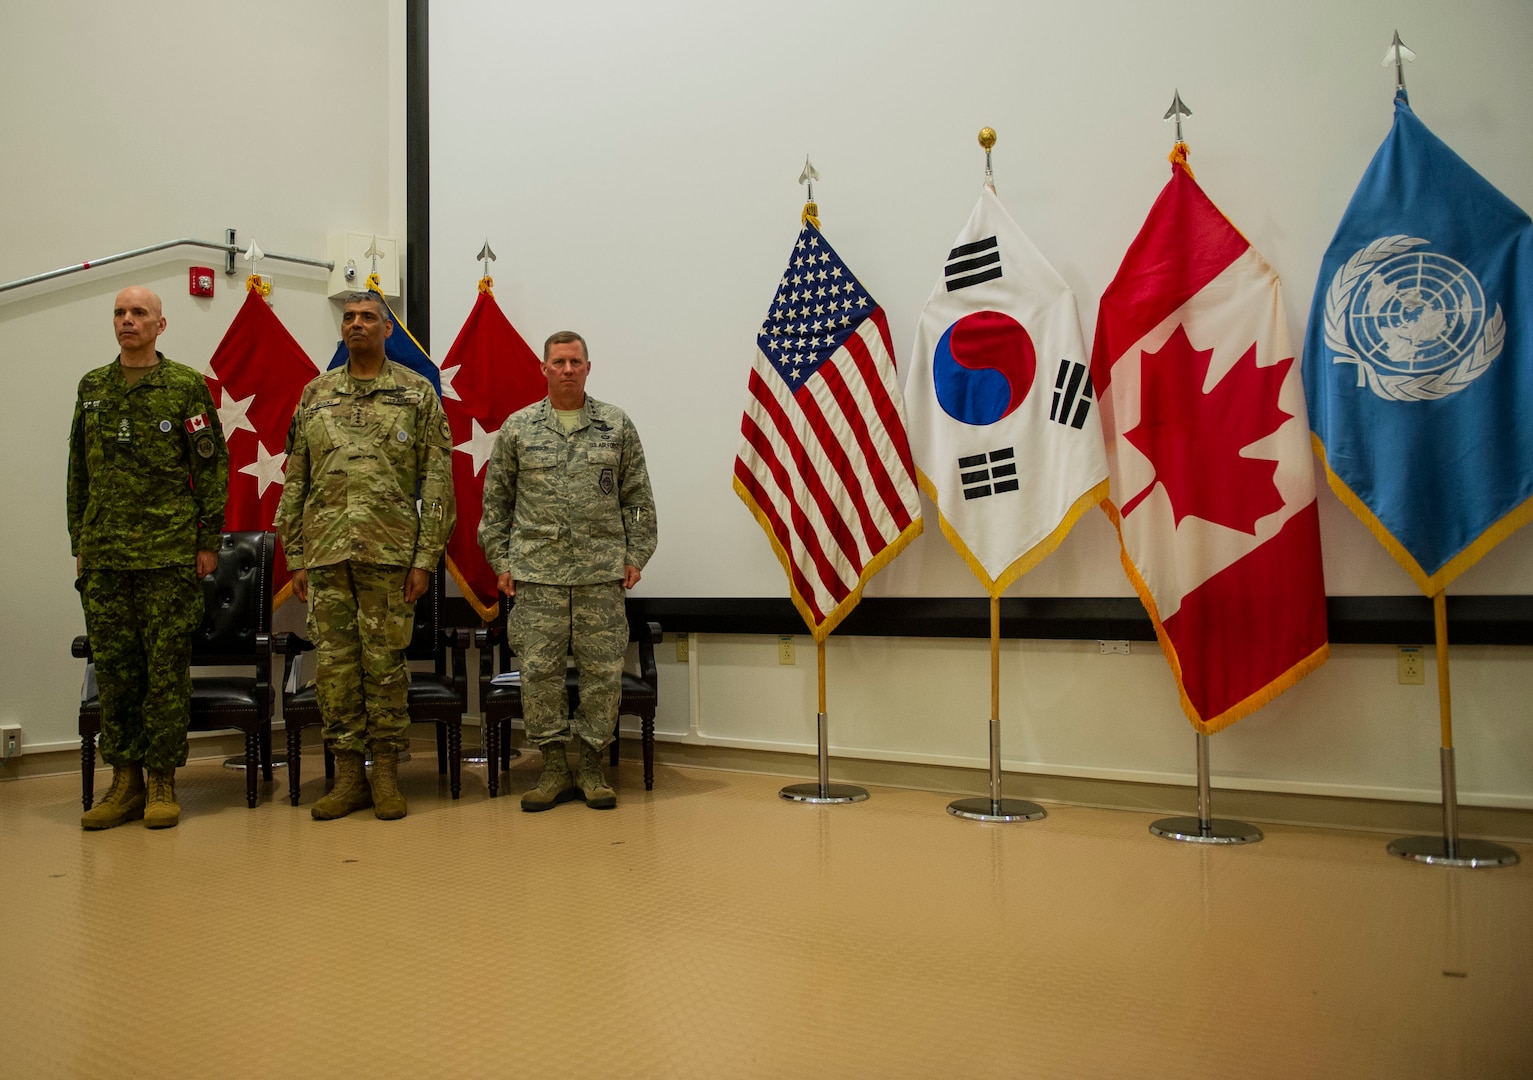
{"x": 507, "y": 678}
{"x": 88, "y": 688}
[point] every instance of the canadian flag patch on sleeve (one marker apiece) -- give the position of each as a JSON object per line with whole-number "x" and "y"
{"x": 197, "y": 423}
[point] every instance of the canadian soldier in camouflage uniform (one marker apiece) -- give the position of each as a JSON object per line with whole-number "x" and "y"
{"x": 365, "y": 439}
{"x": 569, "y": 522}
{"x": 148, "y": 478}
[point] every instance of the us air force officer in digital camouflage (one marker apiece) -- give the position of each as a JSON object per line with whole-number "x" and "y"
{"x": 569, "y": 523}
{"x": 365, "y": 440}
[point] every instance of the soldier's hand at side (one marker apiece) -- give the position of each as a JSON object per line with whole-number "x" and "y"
{"x": 301, "y": 585}
{"x": 505, "y": 584}
{"x": 207, "y": 562}
{"x": 416, "y": 582}
{"x": 630, "y": 576}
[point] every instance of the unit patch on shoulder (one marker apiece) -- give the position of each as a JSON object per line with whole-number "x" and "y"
{"x": 205, "y": 445}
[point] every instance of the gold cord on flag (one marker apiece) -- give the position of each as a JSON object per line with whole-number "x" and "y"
{"x": 811, "y": 215}
{"x": 373, "y": 284}
{"x": 257, "y": 284}
{"x": 487, "y": 285}
{"x": 1178, "y": 156}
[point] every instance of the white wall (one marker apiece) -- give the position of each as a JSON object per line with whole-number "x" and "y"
{"x": 127, "y": 125}
{"x": 634, "y": 166}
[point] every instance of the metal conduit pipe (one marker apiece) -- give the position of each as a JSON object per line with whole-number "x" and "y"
{"x": 228, "y": 247}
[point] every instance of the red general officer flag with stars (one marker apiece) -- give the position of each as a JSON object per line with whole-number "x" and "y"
{"x": 1212, "y": 486}
{"x": 824, "y": 461}
{"x": 488, "y": 374}
{"x": 258, "y": 374}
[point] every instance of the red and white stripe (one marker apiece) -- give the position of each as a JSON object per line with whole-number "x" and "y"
{"x": 827, "y": 470}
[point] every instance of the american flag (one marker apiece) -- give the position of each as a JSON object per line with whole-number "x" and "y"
{"x": 824, "y": 461}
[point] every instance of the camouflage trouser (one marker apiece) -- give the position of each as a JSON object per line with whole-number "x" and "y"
{"x": 140, "y": 625}
{"x": 588, "y": 622}
{"x": 361, "y": 624}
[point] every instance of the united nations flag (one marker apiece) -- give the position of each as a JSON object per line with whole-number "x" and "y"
{"x": 1418, "y": 362}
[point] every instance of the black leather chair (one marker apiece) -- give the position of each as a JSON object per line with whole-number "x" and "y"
{"x": 235, "y": 633}
{"x": 499, "y": 704}
{"x": 438, "y": 696}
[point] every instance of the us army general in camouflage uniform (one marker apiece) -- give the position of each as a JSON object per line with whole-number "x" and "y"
{"x": 148, "y": 478}
{"x": 364, "y": 439}
{"x": 569, "y": 522}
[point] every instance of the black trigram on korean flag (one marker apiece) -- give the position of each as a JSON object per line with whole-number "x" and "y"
{"x": 969, "y": 264}
{"x": 988, "y": 474}
{"x": 1072, "y": 395}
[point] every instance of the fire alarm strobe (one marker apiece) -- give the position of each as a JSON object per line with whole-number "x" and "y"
{"x": 201, "y": 280}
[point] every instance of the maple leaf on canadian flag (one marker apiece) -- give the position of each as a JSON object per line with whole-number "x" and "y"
{"x": 1212, "y": 486}
{"x": 258, "y": 374}
{"x": 488, "y": 374}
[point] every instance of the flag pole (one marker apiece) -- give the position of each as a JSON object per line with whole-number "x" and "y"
{"x": 995, "y": 808}
{"x": 1449, "y": 849}
{"x": 1205, "y": 828}
{"x": 823, "y": 791}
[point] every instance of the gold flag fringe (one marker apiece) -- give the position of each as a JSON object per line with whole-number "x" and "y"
{"x": 1178, "y": 156}
{"x": 811, "y": 215}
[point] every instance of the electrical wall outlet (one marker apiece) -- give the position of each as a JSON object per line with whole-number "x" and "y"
{"x": 1119, "y": 648}
{"x": 1411, "y": 665}
{"x": 785, "y": 650}
{"x": 682, "y": 643}
{"x": 10, "y": 740}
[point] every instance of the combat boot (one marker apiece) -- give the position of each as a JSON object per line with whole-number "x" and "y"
{"x": 161, "y": 811}
{"x": 388, "y": 803}
{"x": 124, "y": 800}
{"x": 593, "y": 784}
{"x": 350, "y": 791}
{"x": 555, "y": 785}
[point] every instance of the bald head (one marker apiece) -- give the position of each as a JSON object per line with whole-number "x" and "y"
{"x": 138, "y": 322}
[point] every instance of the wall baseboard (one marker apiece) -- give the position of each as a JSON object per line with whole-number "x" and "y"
{"x": 1394, "y": 817}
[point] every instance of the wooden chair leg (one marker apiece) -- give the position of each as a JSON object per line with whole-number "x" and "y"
{"x": 454, "y": 735}
{"x": 266, "y": 753}
{"x": 87, "y": 771}
{"x": 252, "y": 764}
{"x": 489, "y": 734}
{"x": 294, "y": 762}
{"x": 647, "y": 736}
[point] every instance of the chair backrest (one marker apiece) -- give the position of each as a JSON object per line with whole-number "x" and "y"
{"x": 426, "y": 642}
{"x": 237, "y": 599}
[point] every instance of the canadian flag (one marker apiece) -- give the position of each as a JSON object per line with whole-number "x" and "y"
{"x": 487, "y": 375}
{"x": 1212, "y": 483}
{"x": 258, "y": 374}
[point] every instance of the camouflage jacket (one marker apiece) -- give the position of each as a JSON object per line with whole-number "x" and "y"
{"x": 567, "y": 508}
{"x": 357, "y": 455}
{"x": 148, "y": 469}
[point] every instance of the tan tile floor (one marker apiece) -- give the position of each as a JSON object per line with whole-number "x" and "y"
{"x": 710, "y": 929}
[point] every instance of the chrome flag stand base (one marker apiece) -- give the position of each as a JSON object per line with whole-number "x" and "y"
{"x": 983, "y": 809}
{"x": 1205, "y": 829}
{"x": 996, "y": 808}
{"x": 824, "y": 791}
{"x": 1448, "y": 849}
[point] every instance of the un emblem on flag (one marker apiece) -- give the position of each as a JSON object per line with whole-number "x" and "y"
{"x": 1414, "y": 322}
